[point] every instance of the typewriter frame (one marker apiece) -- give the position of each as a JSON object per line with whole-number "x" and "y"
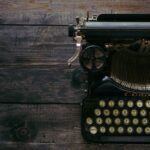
{"x": 96, "y": 78}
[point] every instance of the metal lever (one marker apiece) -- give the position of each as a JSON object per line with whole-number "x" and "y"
{"x": 78, "y": 40}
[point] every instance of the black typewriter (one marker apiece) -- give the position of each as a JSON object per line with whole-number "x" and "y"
{"x": 114, "y": 51}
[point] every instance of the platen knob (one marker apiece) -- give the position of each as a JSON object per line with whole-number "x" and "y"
{"x": 71, "y": 30}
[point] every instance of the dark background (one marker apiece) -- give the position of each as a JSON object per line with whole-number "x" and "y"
{"x": 38, "y": 103}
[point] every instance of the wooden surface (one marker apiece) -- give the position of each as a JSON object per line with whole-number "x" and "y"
{"x": 62, "y": 12}
{"x": 39, "y": 105}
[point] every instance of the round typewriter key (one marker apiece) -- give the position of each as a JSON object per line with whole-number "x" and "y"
{"x": 130, "y": 104}
{"x": 134, "y": 112}
{"x": 111, "y": 103}
{"x": 129, "y": 130}
{"x": 106, "y": 112}
{"x": 147, "y": 130}
{"x": 89, "y": 121}
{"x": 102, "y": 103}
{"x": 108, "y": 121}
{"x": 135, "y": 121}
{"x": 97, "y": 112}
{"x": 144, "y": 121}
{"x": 139, "y": 103}
{"x": 99, "y": 120}
{"x": 121, "y": 103}
{"x": 93, "y": 130}
{"x": 115, "y": 112}
{"x": 111, "y": 129}
{"x": 102, "y": 129}
{"x": 139, "y": 130}
{"x": 143, "y": 112}
{"x": 117, "y": 121}
{"x": 124, "y": 112}
{"x": 120, "y": 129}
{"x": 126, "y": 121}
{"x": 147, "y": 103}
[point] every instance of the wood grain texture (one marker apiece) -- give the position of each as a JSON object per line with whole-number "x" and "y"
{"x": 72, "y": 146}
{"x": 37, "y": 34}
{"x": 38, "y": 85}
{"x": 44, "y": 123}
{"x": 34, "y": 45}
{"x": 60, "y": 12}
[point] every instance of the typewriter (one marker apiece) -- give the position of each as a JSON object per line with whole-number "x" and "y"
{"x": 114, "y": 51}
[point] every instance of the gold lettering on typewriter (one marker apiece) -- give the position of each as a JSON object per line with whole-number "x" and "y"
{"x": 137, "y": 94}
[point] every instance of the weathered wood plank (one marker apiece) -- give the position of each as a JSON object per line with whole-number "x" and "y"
{"x": 40, "y": 123}
{"x": 25, "y": 146}
{"x": 25, "y": 44}
{"x": 73, "y": 146}
{"x": 63, "y": 12}
{"x": 31, "y": 34}
{"x": 37, "y": 54}
{"x": 50, "y": 84}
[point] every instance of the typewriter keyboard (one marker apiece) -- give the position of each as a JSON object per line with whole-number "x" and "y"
{"x": 108, "y": 119}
